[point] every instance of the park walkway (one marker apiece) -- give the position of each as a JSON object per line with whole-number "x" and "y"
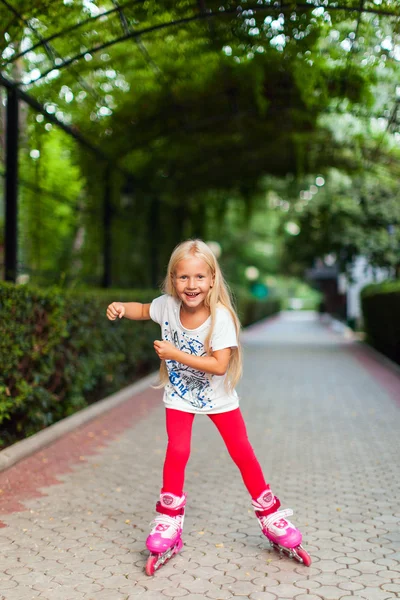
{"x": 322, "y": 414}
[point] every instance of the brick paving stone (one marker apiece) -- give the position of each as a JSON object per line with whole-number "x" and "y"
{"x": 391, "y": 587}
{"x": 89, "y": 588}
{"x": 65, "y": 594}
{"x": 219, "y": 594}
{"x": 174, "y": 592}
{"x": 332, "y": 593}
{"x": 285, "y": 590}
{"x": 18, "y": 571}
{"x": 158, "y": 583}
{"x": 199, "y": 586}
{"x": 387, "y": 574}
{"x": 196, "y": 596}
{"x": 182, "y": 578}
{"x": 308, "y": 597}
{"x": 308, "y": 584}
{"x": 227, "y": 567}
{"x": 330, "y": 579}
{"x": 330, "y": 566}
{"x": 369, "y": 580}
{"x": 242, "y": 588}
{"x": 319, "y": 421}
{"x": 266, "y": 581}
{"x": 97, "y": 573}
{"x": 372, "y": 595}
{"x": 7, "y": 584}
{"x": 105, "y": 595}
{"x": 132, "y": 591}
{"x": 264, "y": 596}
{"x": 203, "y": 572}
{"x": 222, "y": 579}
{"x": 349, "y": 573}
{"x": 350, "y": 586}
{"x": 346, "y": 560}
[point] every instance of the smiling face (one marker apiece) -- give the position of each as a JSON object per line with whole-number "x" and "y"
{"x": 192, "y": 281}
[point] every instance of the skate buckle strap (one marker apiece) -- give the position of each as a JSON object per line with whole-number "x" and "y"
{"x": 279, "y": 514}
{"x": 172, "y": 512}
{"x": 267, "y": 511}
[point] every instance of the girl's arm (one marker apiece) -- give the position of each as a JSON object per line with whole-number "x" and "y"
{"x": 216, "y": 364}
{"x": 136, "y": 311}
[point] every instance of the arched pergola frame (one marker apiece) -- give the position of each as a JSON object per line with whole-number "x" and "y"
{"x": 17, "y": 89}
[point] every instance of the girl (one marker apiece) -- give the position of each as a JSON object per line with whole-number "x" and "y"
{"x": 200, "y": 366}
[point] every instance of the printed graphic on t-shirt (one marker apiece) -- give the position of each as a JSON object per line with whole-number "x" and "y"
{"x": 190, "y": 384}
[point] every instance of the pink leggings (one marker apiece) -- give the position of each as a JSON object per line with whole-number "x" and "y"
{"x": 233, "y": 431}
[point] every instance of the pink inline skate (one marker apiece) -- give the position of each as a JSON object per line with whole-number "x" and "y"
{"x": 165, "y": 539}
{"x": 282, "y": 535}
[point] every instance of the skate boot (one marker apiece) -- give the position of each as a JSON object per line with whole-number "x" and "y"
{"x": 165, "y": 538}
{"x": 281, "y": 533}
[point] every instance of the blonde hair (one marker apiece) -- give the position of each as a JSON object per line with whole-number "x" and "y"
{"x": 218, "y": 295}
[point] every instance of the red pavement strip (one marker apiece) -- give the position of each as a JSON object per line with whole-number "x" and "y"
{"x": 24, "y": 480}
{"x": 387, "y": 375}
{"x": 378, "y": 366}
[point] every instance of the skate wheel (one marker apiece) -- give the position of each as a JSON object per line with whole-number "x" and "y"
{"x": 150, "y": 565}
{"x": 305, "y": 557}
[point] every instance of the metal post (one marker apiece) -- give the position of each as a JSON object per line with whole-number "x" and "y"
{"x": 154, "y": 237}
{"x": 107, "y": 217}
{"x": 11, "y": 187}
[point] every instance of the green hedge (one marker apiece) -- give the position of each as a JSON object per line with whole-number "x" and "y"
{"x": 251, "y": 310}
{"x": 381, "y": 314}
{"x": 59, "y": 352}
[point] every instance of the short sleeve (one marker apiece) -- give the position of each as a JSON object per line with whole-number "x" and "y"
{"x": 224, "y": 334}
{"x": 157, "y": 308}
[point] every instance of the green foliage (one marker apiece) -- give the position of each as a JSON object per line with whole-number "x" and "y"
{"x": 380, "y": 306}
{"x": 59, "y": 352}
{"x": 347, "y": 218}
{"x": 251, "y": 310}
{"x": 199, "y": 108}
{"x": 51, "y": 196}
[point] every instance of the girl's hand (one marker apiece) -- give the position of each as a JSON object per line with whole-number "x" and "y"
{"x": 165, "y": 350}
{"x": 114, "y": 310}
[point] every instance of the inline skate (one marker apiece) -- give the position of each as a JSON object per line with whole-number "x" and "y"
{"x": 165, "y": 538}
{"x": 281, "y": 533}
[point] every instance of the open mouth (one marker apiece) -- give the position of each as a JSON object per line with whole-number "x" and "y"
{"x": 192, "y": 294}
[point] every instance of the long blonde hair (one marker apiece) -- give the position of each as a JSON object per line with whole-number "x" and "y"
{"x": 218, "y": 295}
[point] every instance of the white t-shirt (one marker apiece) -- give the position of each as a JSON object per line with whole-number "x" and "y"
{"x": 188, "y": 389}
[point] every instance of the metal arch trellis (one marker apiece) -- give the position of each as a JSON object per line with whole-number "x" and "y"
{"x": 15, "y": 93}
{"x": 71, "y": 29}
{"x": 128, "y": 29}
{"x": 51, "y": 53}
{"x": 205, "y": 15}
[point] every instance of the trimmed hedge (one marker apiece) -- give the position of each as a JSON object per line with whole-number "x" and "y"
{"x": 59, "y": 352}
{"x": 251, "y": 310}
{"x": 381, "y": 314}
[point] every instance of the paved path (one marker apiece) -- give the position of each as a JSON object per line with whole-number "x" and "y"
{"x": 323, "y": 418}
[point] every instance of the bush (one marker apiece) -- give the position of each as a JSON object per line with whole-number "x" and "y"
{"x": 59, "y": 352}
{"x": 251, "y": 310}
{"x": 381, "y": 314}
